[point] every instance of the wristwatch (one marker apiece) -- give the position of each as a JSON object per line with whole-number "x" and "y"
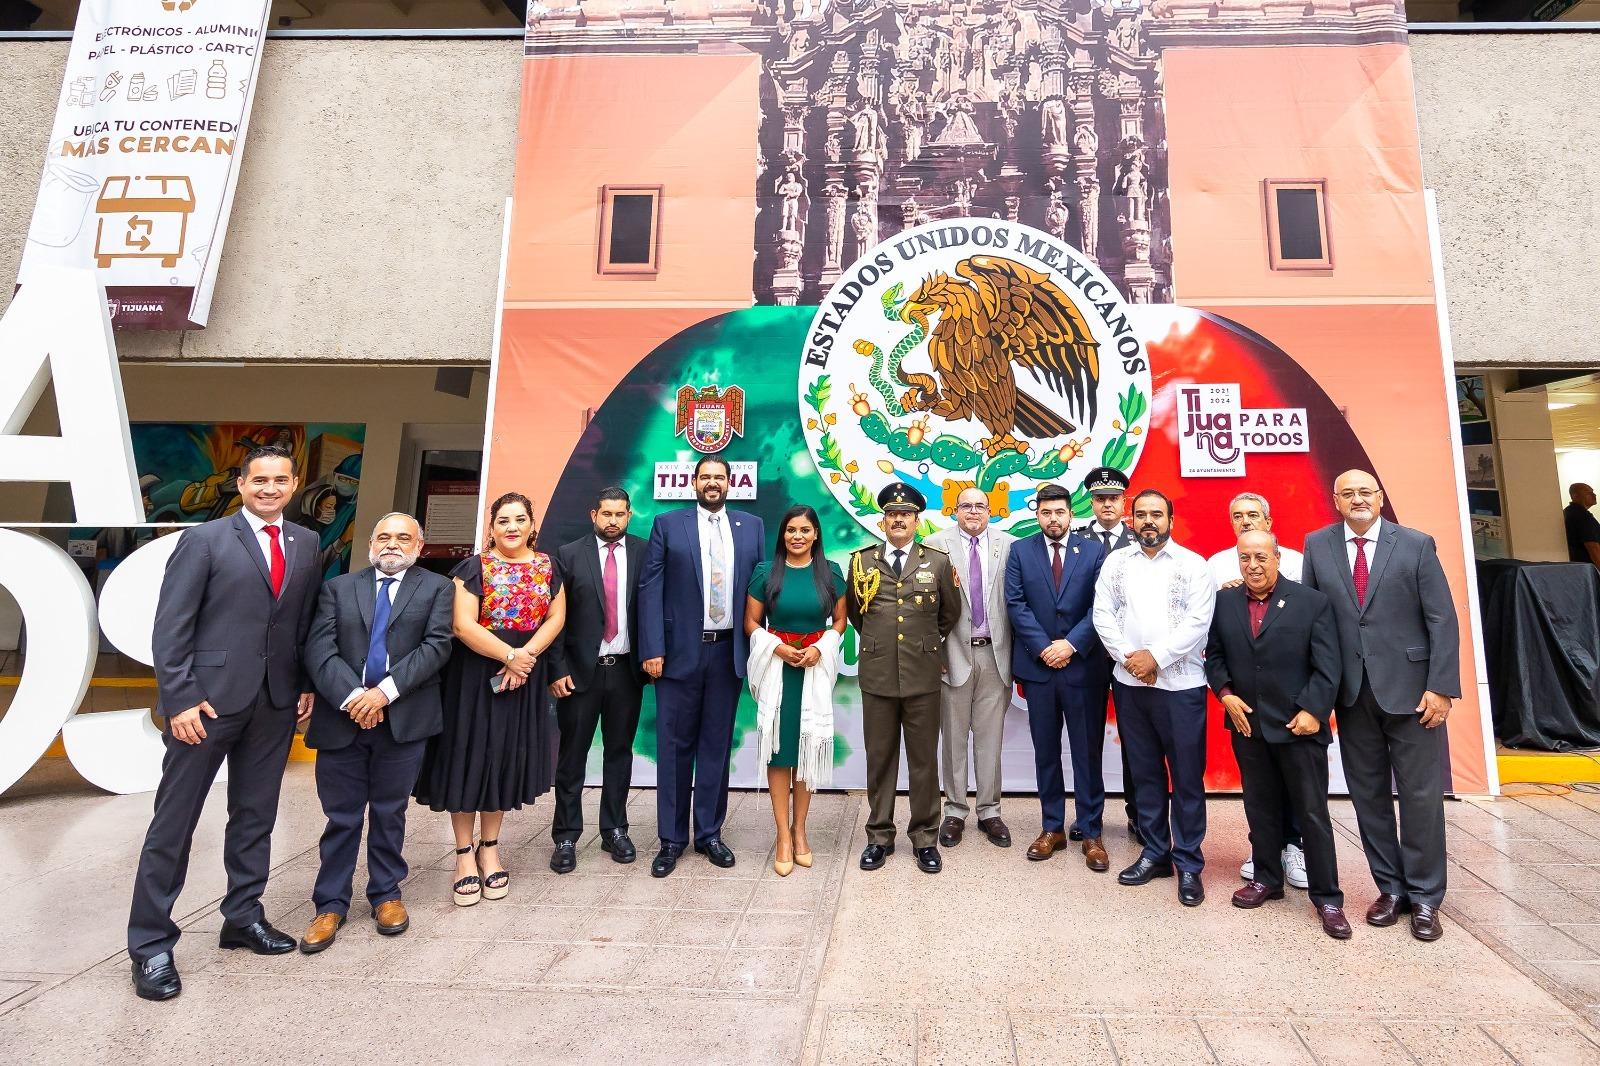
{"x": 510, "y": 657}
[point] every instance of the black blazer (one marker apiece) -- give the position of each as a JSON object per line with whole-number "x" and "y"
{"x": 574, "y": 652}
{"x": 1292, "y": 666}
{"x": 419, "y": 644}
{"x": 219, "y": 634}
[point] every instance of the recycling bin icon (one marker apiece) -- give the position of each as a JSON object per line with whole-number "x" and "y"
{"x": 143, "y": 218}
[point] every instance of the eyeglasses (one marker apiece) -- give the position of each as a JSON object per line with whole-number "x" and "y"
{"x": 1358, "y": 494}
{"x": 972, "y": 507}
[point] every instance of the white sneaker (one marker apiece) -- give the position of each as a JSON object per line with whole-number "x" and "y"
{"x": 1248, "y": 870}
{"x": 1294, "y": 867}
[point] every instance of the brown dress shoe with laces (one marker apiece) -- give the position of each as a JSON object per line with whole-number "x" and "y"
{"x": 950, "y": 831}
{"x": 392, "y": 918}
{"x": 1094, "y": 855}
{"x": 320, "y": 933}
{"x": 998, "y": 833}
{"x": 1046, "y": 845}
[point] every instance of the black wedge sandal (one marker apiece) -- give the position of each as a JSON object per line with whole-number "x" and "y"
{"x": 497, "y": 884}
{"x": 471, "y": 882}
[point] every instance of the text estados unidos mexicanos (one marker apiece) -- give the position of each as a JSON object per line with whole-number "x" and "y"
{"x": 979, "y": 236}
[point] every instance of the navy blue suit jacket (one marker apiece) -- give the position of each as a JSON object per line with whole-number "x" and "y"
{"x": 1041, "y": 614}
{"x": 671, "y": 604}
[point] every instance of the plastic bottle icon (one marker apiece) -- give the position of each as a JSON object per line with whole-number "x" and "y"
{"x": 217, "y": 80}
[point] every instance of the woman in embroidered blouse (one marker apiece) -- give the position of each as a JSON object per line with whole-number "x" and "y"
{"x": 498, "y": 747}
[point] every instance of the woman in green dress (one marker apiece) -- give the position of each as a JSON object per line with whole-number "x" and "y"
{"x": 798, "y": 597}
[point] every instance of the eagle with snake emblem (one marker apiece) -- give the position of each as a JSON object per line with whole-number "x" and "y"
{"x": 996, "y": 312}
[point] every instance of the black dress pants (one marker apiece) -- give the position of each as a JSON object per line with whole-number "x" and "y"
{"x": 611, "y": 702}
{"x": 255, "y": 744}
{"x": 1292, "y": 776}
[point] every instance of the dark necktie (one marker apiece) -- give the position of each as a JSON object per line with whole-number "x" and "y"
{"x": 610, "y": 583}
{"x": 1055, "y": 564}
{"x": 378, "y": 649}
{"x": 899, "y": 561}
{"x": 1358, "y": 573}
{"x": 1105, "y": 536}
{"x": 278, "y": 565}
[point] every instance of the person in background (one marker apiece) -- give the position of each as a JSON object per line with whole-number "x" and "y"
{"x": 794, "y": 617}
{"x": 497, "y": 750}
{"x": 230, "y": 629}
{"x": 976, "y": 690}
{"x": 598, "y": 680}
{"x": 1583, "y": 530}
{"x": 1273, "y": 660}
{"x": 1246, "y": 512}
{"x": 380, "y": 638}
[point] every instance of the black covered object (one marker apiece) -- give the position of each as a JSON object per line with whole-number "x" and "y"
{"x": 1541, "y": 635}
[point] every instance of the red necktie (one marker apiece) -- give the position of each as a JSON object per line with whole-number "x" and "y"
{"x": 1055, "y": 565}
{"x": 1358, "y": 573}
{"x": 609, "y": 580}
{"x": 278, "y": 566}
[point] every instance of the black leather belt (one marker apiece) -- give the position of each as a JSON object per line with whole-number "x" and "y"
{"x": 715, "y": 636}
{"x": 982, "y": 642}
{"x": 612, "y": 660}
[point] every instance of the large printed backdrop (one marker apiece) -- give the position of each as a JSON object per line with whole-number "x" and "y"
{"x": 1132, "y": 303}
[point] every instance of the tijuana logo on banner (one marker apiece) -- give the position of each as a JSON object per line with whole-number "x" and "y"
{"x": 972, "y": 352}
{"x": 710, "y": 419}
{"x": 1215, "y": 430}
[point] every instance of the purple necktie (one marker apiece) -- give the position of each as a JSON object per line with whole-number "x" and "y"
{"x": 610, "y": 582}
{"x": 980, "y": 612}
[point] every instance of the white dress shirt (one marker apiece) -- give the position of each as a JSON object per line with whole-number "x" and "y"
{"x": 386, "y": 686}
{"x": 1225, "y": 565}
{"x": 617, "y": 645}
{"x": 1097, "y": 531}
{"x": 1371, "y": 537}
{"x": 257, "y": 524}
{"x": 963, "y": 566}
{"x": 1162, "y": 605}
{"x": 731, "y": 595}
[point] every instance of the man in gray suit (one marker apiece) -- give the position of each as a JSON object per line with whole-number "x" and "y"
{"x": 380, "y": 638}
{"x": 976, "y": 689}
{"x": 235, "y": 604}
{"x": 1401, "y": 668}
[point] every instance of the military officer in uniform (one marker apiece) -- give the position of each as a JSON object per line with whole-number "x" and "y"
{"x": 1107, "y": 488}
{"x": 903, "y": 598}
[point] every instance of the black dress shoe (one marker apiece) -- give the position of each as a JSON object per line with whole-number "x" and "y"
{"x": 1425, "y": 922}
{"x": 666, "y": 860}
{"x": 873, "y": 856}
{"x": 565, "y": 859}
{"x": 617, "y": 844}
{"x": 1074, "y": 833}
{"x": 156, "y": 977}
{"x": 259, "y": 937}
{"x": 1191, "y": 893}
{"x": 719, "y": 853}
{"x": 928, "y": 860}
{"x": 1144, "y": 871}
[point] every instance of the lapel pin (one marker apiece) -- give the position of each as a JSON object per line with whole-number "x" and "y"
{"x": 1074, "y": 549}
{"x": 1280, "y": 603}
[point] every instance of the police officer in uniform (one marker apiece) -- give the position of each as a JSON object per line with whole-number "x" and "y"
{"x": 903, "y": 599}
{"x": 1107, "y": 487}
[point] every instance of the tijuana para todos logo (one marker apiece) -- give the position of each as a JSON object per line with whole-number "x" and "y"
{"x": 972, "y": 352}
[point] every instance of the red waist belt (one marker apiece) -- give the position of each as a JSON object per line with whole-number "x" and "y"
{"x": 797, "y": 640}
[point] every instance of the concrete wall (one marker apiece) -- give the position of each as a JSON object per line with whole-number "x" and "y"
{"x": 367, "y": 222}
{"x": 1530, "y": 490}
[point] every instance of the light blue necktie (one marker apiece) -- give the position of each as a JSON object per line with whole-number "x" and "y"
{"x": 378, "y": 649}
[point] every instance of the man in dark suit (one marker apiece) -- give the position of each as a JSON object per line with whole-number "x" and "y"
{"x": 1108, "y": 492}
{"x": 691, "y": 637}
{"x": 1272, "y": 658}
{"x": 1401, "y": 670}
{"x": 1050, "y": 579}
{"x": 378, "y": 641}
{"x": 230, "y": 624}
{"x": 597, "y": 676}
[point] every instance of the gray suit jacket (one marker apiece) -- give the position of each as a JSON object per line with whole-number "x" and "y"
{"x": 1404, "y": 640}
{"x": 419, "y": 642}
{"x": 220, "y": 635}
{"x": 958, "y": 645}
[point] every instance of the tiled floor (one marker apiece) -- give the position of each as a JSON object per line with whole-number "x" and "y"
{"x": 997, "y": 960}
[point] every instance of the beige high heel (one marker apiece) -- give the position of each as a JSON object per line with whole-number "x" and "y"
{"x": 781, "y": 867}
{"x": 801, "y": 859}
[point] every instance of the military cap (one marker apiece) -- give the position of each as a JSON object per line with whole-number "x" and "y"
{"x": 898, "y": 496}
{"x": 1105, "y": 481}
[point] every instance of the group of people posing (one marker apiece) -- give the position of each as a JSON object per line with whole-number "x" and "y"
{"x": 478, "y": 693}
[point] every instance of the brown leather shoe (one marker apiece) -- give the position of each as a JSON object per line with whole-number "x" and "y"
{"x": 997, "y": 832}
{"x": 1047, "y": 845}
{"x": 392, "y": 918}
{"x": 1094, "y": 855}
{"x": 1334, "y": 923}
{"x": 950, "y": 831}
{"x": 320, "y": 933}
{"x": 1253, "y": 894}
{"x": 1425, "y": 922}
{"x": 1386, "y": 910}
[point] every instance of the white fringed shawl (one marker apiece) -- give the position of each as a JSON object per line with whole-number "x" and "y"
{"x": 764, "y": 672}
